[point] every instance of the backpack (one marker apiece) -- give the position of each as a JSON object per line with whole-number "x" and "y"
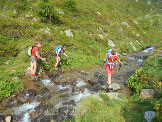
{"x": 29, "y": 51}
{"x": 57, "y": 48}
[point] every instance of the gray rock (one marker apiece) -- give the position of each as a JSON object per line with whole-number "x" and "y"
{"x": 8, "y": 119}
{"x": 149, "y": 115}
{"x": 27, "y": 96}
{"x": 28, "y": 71}
{"x": 115, "y": 86}
{"x": 69, "y": 33}
{"x": 147, "y": 93}
{"x": 114, "y": 95}
{"x": 111, "y": 43}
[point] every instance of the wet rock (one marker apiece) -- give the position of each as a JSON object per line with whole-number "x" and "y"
{"x": 84, "y": 72}
{"x": 115, "y": 86}
{"x": 8, "y": 119}
{"x": 114, "y": 95}
{"x": 27, "y": 96}
{"x": 92, "y": 82}
{"x": 124, "y": 54}
{"x": 96, "y": 88}
{"x": 147, "y": 93}
{"x": 149, "y": 115}
{"x": 38, "y": 111}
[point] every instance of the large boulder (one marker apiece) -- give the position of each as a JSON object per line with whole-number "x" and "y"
{"x": 149, "y": 115}
{"x": 147, "y": 93}
{"x": 115, "y": 86}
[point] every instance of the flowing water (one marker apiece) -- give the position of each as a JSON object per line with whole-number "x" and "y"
{"x": 58, "y": 95}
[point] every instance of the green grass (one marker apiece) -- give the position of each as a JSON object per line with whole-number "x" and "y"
{"x": 21, "y": 25}
{"x": 99, "y": 108}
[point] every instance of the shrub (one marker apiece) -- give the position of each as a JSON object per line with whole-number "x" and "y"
{"x": 7, "y": 87}
{"x": 7, "y": 48}
{"x": 13, "y": 28}
{"x": 70, "y": 5}
{"x": 47, "y": 12}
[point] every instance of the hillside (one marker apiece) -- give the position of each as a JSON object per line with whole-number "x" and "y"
{"x": 131, "y": 25}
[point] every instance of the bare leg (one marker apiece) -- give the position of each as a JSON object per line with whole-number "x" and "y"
{"x": 32, "y": 68}
{"x": 57, "y": 62}
{"x": 35, "y": 67}
{"x": 109, "y": 79}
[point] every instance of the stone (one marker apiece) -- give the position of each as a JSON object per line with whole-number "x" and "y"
{"x": 35, "y": 19}
{"x": 92, "y": 82}
{"x": 60, "y": 12}
{"x": 61, "y": 32}
{"x": 15, "y": 78}
{"x": 147, "y": 93}
{"x": 101, "y": 36}
{"x": 111, "y": 43}
{"x": 115, "y": 86}
{"x": 8, "y": 119}
{"x": 28, "y": 71}
{"x": 98, "y": 13}
{"x": 114, "y": 95}
{"x": 7, "y": 62}
{"x": 149, "y": 115}
{"x": 69, "y": 33}
{"x": 124, "y": 54}
{"x": 27, "y": 96}
{"x": 137, "y": 35}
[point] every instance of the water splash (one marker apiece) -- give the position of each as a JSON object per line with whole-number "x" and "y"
{"x": 81, "y": 95}
{"x": 80, "y": 83}
{"x": 148, "y": 50}
{"x": 47, "y": 82}
{"x": 25, "y": 110}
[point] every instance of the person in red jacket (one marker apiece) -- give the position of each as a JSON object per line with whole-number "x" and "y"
{"x": 111, "y": 57}
{"x": 35, "y": 57}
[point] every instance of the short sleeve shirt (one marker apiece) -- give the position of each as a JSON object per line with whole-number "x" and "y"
{"x": 34, "y": 50}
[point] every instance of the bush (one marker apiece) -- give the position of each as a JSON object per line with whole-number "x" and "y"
{"x": 13, "y": 28}
{"x": 70, "y": 5}
{"x": 47, "y": 12}
{"x": 7, "y": 87}
{"x": 7, "y": 48}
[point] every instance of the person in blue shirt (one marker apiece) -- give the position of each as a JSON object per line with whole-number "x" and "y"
{"x": 111, "y": 57}
{"x": 59, "y": 50}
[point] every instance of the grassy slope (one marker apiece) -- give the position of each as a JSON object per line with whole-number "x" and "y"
{"x": 99, "y": 108}
{"x": 86, "y": 48}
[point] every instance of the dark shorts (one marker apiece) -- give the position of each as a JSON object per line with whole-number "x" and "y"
{"x": 32, "y": 59}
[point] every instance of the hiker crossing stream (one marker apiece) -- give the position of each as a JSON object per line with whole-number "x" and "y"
{"x": 55, "y": 96}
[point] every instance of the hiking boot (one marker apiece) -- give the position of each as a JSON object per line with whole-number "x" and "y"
{"x": 33, "y": 77}
{"x": 56, "y": 69}
{"x": 110, "y": 88}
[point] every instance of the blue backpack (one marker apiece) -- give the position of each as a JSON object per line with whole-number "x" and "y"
{"x": 57, "y": 48}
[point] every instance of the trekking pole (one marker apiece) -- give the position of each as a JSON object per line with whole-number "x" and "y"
{"x": 120, "y": 65}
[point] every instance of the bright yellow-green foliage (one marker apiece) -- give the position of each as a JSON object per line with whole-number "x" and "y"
{"x": 26, "y": 22}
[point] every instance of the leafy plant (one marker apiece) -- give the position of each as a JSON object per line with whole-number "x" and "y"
{"x": 7, "y": 87}
{"x": 70, "y": 5}
{"x": 48, "y": 13}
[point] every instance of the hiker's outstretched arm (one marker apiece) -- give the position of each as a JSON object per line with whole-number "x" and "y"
{"x": 37, "y": 54}
{"x": 106, "y": 57}
{"x": 65, "y": 55}
{"x": 119, "y": 60}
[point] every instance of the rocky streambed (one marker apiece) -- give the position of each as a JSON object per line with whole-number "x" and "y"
{"x": 54, "y": 97}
